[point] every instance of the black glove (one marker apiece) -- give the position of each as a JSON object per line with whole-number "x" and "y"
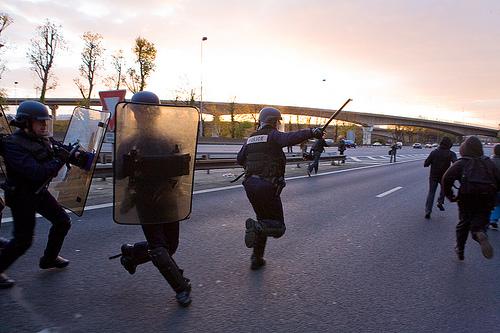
{"x": 317, "y": 132}
{"x": 61, "y": 154}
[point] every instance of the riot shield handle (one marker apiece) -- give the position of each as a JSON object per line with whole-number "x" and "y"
{"x": 335, "y": 114}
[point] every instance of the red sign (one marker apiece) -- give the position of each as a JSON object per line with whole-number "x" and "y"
{"x": 109, "y": 99}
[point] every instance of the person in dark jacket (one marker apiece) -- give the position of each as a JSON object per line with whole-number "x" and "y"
{"x": 495, "y": 214}
{"x": 393, "y": 152}
{"x": 342, "y": 148}
{"x": 316, "y": 150}
{"x": 439, "y": 160}
{"x": 475, "y": 200}
{"x": 264, "y": 162}
{"x": 30, "y": 161}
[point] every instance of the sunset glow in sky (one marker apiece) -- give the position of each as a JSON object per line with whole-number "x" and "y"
{"x": 420, "y": 58}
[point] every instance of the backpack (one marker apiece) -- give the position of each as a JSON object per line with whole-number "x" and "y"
{"x": 477, "y": 178}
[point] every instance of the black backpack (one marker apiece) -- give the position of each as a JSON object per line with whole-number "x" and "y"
{"x": 477, "y": 178}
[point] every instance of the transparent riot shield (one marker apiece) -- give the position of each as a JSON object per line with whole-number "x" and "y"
{"x": 4, "y": 130}
{"x": 155, "y": 150}
{"x": 71, "y": 185}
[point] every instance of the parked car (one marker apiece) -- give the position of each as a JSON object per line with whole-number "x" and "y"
{"x": 399, "y": 145}
{"x": 376, "y": 144}
{"x": 435, "y": 145}
{"x": 417, "y": 145}
{"x": 350, "y": 144}
{"x": 428, "y": 145}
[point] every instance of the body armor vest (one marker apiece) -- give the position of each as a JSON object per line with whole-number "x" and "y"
{"x": 264, "y": 158}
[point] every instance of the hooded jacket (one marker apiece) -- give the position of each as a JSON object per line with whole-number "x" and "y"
{"x": 471, "y": 148}
{"x": 440, "y": 159}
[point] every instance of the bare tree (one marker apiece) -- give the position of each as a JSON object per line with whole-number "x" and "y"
{"x": 114, "y": 80}
{"x": 41, "y": 55}
{"x": 91, "y": 63}
{"x": 5, "y": 21}
{"x": 145, "y": 53}
{"x": 232, "y": 110}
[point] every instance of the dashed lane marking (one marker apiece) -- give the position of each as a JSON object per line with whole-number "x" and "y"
{"x": 381, "y": 195}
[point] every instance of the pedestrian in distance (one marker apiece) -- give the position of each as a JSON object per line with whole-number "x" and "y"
{"x": 264, "y": 162}
{"x": 342, "y": 148}
{"x": 153, "y": 195}
{"x": 393, "y": 152}
{"x": 479, "y": 181}
{"x": 495, "y": 214}
{"x": 316, "y": 150}
{"x": 30, "y": 161}
{"x": 439, "y": 160}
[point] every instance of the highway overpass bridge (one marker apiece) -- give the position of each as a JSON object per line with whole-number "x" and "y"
{"x": 366, "y": 120}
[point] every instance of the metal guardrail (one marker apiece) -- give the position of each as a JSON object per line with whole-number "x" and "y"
{"x": 207, "y": 162}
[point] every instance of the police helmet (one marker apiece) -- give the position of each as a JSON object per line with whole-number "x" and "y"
{"x": 32, "y": 110}
{"x": 145, "y": 97}
{"x": 269, "y": 115}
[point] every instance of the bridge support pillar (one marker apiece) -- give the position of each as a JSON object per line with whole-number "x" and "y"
{"x": 53, "y": 109}
{"x": 367, "y": 135}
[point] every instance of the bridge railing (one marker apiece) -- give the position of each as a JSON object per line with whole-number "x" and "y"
{"x": 224, "y": 160}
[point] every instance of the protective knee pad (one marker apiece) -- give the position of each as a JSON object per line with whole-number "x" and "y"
{"x": 168, "y": 268}
{"x": 140, "y": 253}
{"x": 271, "y": 228}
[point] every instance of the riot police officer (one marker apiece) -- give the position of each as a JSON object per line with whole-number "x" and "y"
{"x": 31, "y": 162}
{"x": 162, "y": 239}
{"x": 264, "y": 162}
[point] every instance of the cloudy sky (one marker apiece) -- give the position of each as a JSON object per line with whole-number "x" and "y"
{"x": 438, "y": 59}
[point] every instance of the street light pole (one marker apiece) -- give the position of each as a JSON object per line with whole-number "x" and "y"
{"x": 201, "y": 85}
{"x": 15, "y": 91}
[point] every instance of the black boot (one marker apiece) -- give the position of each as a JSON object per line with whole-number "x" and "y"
{"x": 168, "y": 268}
{"x": 134, "y": 255}
{"x": 5, "y": 282}
{"x": 58, "y": 262}
{"x": 257, "y": 258}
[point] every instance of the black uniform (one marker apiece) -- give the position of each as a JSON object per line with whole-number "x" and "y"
{"x": 264, "y": 162}
{"x": 30, "y": 162}
{"x": 153, "y": 197}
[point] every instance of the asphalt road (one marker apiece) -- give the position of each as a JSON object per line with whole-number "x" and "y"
{"x": 353, "y": 259}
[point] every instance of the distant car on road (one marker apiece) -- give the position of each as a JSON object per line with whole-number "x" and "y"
{"x": 399, "y": 145}
{"x": 376, "y": 144}
{"x": 350, "y": 144}
{"x": 417, "y": 145}
{"x": 428, "y": 145}
{"x": 435, "y": 145}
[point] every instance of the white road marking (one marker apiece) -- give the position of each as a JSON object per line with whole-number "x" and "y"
{"x": 354, "y": 158}
{"x": 381, "y": 195}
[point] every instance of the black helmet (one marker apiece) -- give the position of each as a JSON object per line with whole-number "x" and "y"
{"x": 32, "y": 110}
{"x": 145, "y": 97}
{"x": 269, "y": 116}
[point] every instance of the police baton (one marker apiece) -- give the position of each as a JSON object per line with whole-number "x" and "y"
{"x": 334, "y": 115}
